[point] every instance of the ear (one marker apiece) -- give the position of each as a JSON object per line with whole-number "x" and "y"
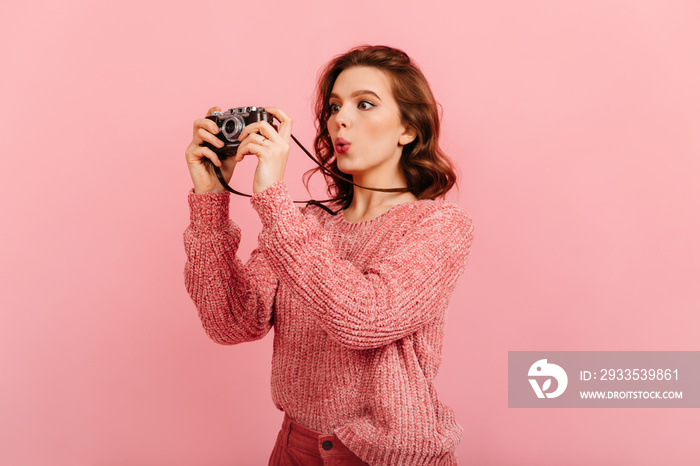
{"x": 408, "y": 135}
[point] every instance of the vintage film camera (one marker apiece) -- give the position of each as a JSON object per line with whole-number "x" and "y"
{"x": 230, "y": 124}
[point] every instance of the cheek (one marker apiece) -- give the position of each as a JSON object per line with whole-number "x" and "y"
{"x": 382, "y": 125}
{"x": 383, "y": 133}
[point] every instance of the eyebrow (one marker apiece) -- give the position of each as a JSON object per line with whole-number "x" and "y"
{"x": 360, "y": 92}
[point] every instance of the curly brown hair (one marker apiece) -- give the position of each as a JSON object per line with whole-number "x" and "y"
{"x": 428, "y": 170}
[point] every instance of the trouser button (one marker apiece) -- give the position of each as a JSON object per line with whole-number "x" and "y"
{"x": 327, "y": 445}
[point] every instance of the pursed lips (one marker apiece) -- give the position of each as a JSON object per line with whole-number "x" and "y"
{"x": 341, "y": 145}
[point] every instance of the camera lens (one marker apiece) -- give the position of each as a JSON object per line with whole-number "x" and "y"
{"x": 232, "y": 127}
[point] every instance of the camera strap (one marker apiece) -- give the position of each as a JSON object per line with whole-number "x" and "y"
{"x": 220, "y": 176}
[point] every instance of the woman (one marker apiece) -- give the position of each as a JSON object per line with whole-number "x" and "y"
{"x": 357, "y": 299}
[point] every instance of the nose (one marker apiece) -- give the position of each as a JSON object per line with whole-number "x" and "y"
{"x": 341, "y": 118}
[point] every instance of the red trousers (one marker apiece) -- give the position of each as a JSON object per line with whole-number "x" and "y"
{"x": 298, "y": 446}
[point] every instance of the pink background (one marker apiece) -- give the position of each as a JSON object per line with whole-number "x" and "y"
{"x": 576, "y": 128}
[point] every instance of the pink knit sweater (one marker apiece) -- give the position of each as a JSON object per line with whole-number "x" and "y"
{"x": 358, "y": 311}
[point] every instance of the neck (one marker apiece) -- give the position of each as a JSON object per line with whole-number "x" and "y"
{"x": 365, "y": 201}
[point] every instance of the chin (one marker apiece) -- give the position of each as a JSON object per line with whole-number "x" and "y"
{"x": 345, "y": 172}
{"x": 344, "y": 167}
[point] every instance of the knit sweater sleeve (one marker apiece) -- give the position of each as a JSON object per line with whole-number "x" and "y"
{"x": 390, "y": 299}
{"x": 235, "y": 301}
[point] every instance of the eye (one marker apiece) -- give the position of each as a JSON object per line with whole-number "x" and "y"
{"x": 365, "y": 105}
{"x": 334, "y": 108}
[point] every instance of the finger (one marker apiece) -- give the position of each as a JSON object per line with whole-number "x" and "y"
{"x": 262, "y": 127}
{"x": 252, "y": 148}
{"x": 255, "y": 138}
{"x": 259, "y": 139}
{"x": 285, "y": 121}
{"x": 205, "y": 135}
{"x": 206, "y": 124}
{"x": 213, "y": 109}
{"x": 202, "y": 152}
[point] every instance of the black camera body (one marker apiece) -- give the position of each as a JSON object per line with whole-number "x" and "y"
{"x": 231, "y": 124}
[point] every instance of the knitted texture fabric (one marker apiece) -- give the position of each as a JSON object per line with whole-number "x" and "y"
{"x": 358, "y": 310}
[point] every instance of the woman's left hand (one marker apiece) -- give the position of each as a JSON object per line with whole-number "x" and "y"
{"x": 269, "y": 146}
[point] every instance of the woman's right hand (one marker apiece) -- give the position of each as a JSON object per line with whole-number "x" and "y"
{"x": 202, "y": 173}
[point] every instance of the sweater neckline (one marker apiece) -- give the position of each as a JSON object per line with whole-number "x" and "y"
{"x": 353, "y": 225}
